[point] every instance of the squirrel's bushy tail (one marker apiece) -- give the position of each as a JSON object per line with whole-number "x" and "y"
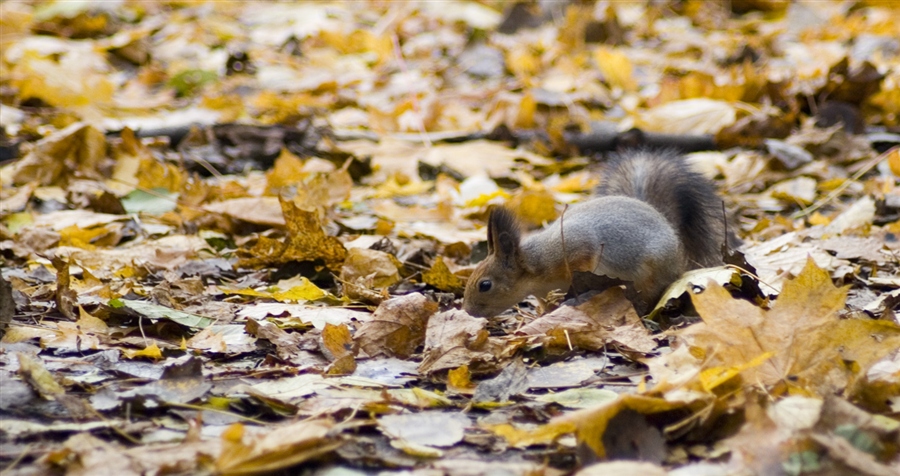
{"x": 686, "y": 198}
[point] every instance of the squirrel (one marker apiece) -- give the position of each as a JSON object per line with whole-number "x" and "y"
{"x": 654, "y": 219}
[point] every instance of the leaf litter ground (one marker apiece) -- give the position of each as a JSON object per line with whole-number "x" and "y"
{"x": 234, "y": 238}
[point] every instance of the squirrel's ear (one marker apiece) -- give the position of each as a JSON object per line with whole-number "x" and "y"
{"x": 503, "y": 235}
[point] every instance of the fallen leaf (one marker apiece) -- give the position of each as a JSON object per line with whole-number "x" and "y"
{"x": 452, "y": 339}
{"x": 440, "y": 277}
{"x": 605, "y": 318}
{"x": 434, "y": 429}
{"x": 280, "y": 448}
{"x": 801, "y": 330}
{"x": 398, "y": 326}
{"x": 306, "y": 241}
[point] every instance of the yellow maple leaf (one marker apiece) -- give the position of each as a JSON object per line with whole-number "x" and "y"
{"x": 808, "y": 342}
{"x": 440, "y": 276}
{"x": 306, "y": 241}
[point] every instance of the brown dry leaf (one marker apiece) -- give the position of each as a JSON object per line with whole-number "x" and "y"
{"x": 623, "y": 468}
{"x": 89, "y": 238}
{"x": 84, "y": 334}
{"x": 760, "y": 442}
{"x": 303, "y": 315}
{"x": 280, "y": 448}
{"x": 869, "y": 248}
{"x": 84, "y": 454}
{"x": 479, "y": 158}
{"x": 454, "y": 339}
{"x": 800, "y": 190}
{"x": 287, "y": 345}
{"x": 75, "y": 79}
{"x": 128, "y": 154}
{"x": 859, "y": 214}
{"x": 388, "y": 209}
{"x": 778, "y": 259}
{"x": 84, "y": 219}
{"x": 591, "y": 424}
{"x": 166, "y": 253}
{"x": 688, "y": 116}
{"x": 13, "y": 200}
{"x": 379, "y": 267}
{"x": 33, "y": 239}
{"x": 78, "y": 148}
{"x": 32, "y": 370}
{"x": 66, "y": 300}
{"x": 338, "y": 346}
{"x": 605, "y": 318}
{"x": 398, "y": 326}
{"x": 807, "y": 341}
{"x": 229, "y": 339}
{"x": 323, "y": 190}
{"x": 154, "y": 174}
{"x": 306, "y": 241}
{"x": 259, "y": 210}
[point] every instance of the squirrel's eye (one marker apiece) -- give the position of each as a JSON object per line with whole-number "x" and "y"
{"x": 484, "y": 286}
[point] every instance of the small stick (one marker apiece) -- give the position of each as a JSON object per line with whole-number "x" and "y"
{"x": 877, "y": 160}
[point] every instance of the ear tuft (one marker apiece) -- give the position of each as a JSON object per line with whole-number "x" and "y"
{"x": 503, "y": 235}
{"x": 502, "y": 220}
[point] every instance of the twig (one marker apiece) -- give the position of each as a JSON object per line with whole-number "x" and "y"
{"x": 19, "y": 458}
{"x": 748, "y": 273}
{"x": 834, "y": 193}
{"x": 208, "y": 166}
{"x": 207, "y": 409}
{"x": 141, "y": 327}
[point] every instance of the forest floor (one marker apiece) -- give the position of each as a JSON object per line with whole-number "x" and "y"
{"x": 234, "y": 238}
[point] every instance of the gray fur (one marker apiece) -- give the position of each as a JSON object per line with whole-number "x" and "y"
{"x": 686, "y": 198}
{"x": 617, "y": 235}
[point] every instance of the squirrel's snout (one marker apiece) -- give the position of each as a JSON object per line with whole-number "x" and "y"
{"x": 472, "y": 309}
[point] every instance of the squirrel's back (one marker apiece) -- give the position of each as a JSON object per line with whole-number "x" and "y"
{"x": 686, "y": 198}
